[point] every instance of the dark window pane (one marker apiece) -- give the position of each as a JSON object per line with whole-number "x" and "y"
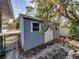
{"x": 35, "y": 26}
{"x": 55, "y": 27}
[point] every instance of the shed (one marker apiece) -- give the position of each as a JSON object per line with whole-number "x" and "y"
{"x": 52, "y": 32}
{"x": 31, "y": 32}
{"x": 31, "y": 35}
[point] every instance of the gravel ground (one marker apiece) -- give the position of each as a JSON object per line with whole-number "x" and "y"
{"x": 56, "y": 51}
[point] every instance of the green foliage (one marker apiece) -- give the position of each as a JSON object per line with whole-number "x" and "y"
{"x": 29, "y": 9}
{"x": 16, "y": 23}
{"x": 73, "y": 25}
{"x": 5, "y": 23}
{"x": 47, "y": 9}
{"x": 44, "y": 26}
{"x": 74, "y": 30}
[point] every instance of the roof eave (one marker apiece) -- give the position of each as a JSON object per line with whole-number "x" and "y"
{"x": 11, "y": 9}
{"x": 30, "y": 17}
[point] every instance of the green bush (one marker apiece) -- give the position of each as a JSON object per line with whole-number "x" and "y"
{"x": 74, "y": 30}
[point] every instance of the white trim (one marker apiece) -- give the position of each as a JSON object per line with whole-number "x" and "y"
{"x": 22, "y": 30}
{"x": 39, "y": 27}
{"x": 31, "y": 27}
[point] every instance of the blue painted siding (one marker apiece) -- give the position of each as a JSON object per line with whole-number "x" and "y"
{"x": 31, "y": 39}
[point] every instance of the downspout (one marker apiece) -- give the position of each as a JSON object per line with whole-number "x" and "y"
{"x": 1, "y": 38}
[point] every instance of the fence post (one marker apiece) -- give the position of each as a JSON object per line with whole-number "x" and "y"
{"x": 4, "y": 40}
{"x": 19, "y": 43}
{"x": 1, "y": 41}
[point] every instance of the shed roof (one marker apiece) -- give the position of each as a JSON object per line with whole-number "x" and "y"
{"x": 6, "y": 9}
{"x": 30, "y": 17}
{"x": 36, "y": 18}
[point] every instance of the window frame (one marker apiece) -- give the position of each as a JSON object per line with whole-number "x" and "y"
{"x": 32, "y": 26}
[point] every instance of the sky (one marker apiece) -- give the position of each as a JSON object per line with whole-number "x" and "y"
{"x": 19, "y": 6}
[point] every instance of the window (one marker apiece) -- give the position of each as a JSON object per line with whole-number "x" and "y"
{"x": 35, "y": 27}
{"x": 55, "y": 27}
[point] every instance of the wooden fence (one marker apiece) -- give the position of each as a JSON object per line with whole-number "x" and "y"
{"x": 10, "y": 40}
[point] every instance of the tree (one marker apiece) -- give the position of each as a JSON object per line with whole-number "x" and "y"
{"x": 29, "y": 9}
{"x": 47, "y": 9}
{"x": 16, "y": 23}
